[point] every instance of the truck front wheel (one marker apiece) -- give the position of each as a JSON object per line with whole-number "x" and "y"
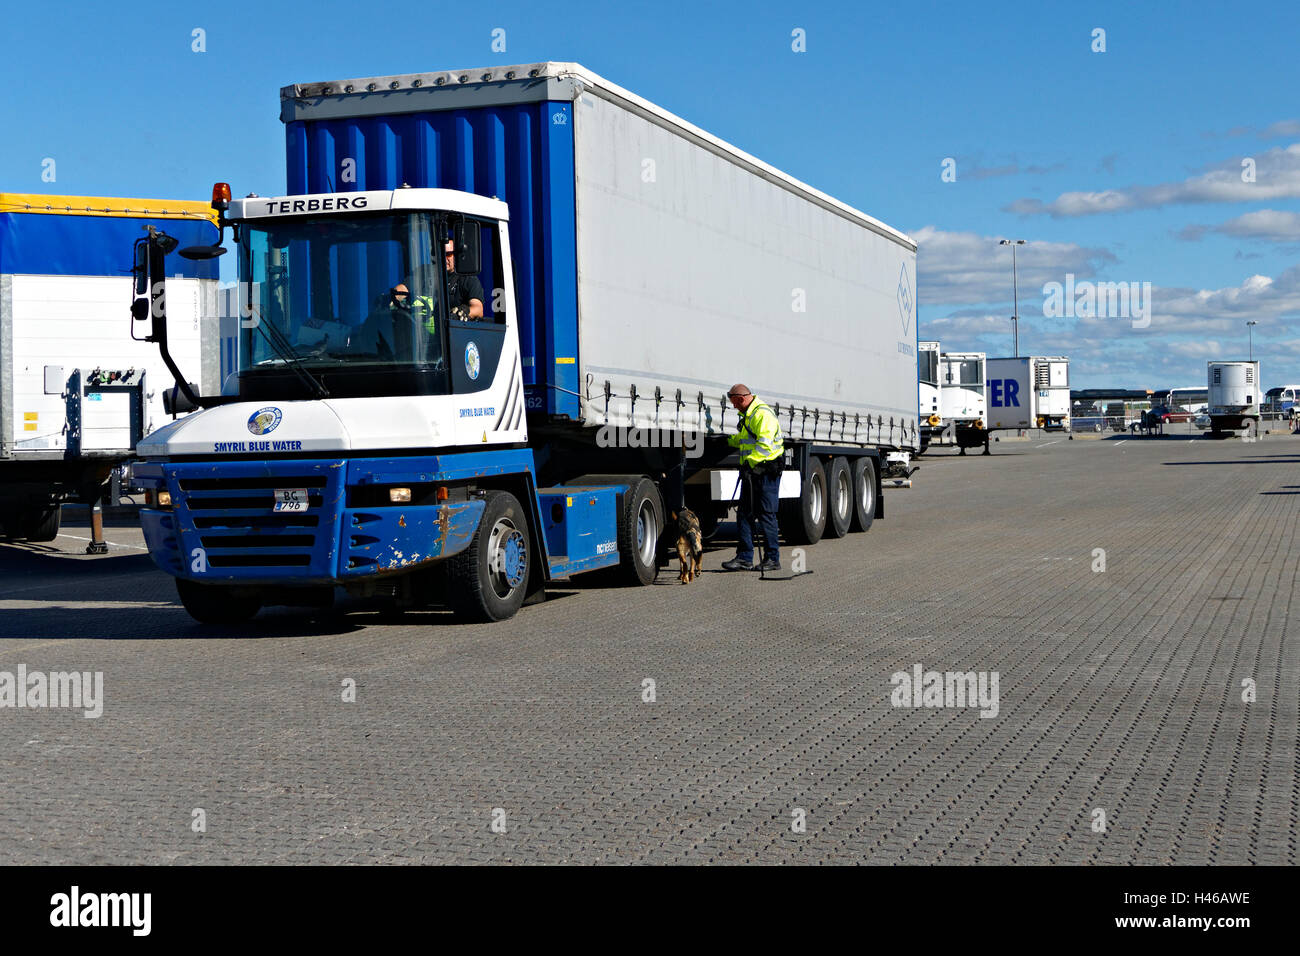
{"x": 489, "y": 580}
{"x": 216, "y": 603}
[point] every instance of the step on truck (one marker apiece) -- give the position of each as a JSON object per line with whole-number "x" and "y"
{"x": 485, "y": 344}
{"x": 76, "y": 393}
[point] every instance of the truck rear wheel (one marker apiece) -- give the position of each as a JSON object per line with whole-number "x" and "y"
{"x": 489, "y": 580}
{"x": 640, "y": 522}
{"x": 216, "y": 603}
{"x": 864, "y": 493}
{"x": 803, "y": 519}
{"x": 839, "y": 484}
{"x": 41, "y": 525}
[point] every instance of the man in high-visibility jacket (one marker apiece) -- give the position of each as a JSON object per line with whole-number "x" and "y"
{"x": 762, "y": 452}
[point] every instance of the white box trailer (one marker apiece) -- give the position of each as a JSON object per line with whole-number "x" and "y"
{"x": 76, "y": 391}
{"x": 1235, "y": 395}
{"x": 1028, "y": 392}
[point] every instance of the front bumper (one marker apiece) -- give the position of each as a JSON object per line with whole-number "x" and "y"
{"x": 222, "y": 527}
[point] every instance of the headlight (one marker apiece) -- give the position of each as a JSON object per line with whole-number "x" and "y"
{"x": 399, "y": 495}
{"x": 164, "y": 498}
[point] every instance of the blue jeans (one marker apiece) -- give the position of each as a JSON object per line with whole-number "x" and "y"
{"x": 759, "y": 497}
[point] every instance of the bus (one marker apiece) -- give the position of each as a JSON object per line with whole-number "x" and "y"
{"x": 1195, "y": 400}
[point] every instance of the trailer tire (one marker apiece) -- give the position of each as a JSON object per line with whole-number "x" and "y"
{"x": 42, "y": 526}
{"x": 488, "y": 581}
{"x": 803, "y": 519}
{"x": 840, "y": 497}
{"x": 640, "y": 523}
{"x": 864, "y": 493}
{"x": 216, "y": 603}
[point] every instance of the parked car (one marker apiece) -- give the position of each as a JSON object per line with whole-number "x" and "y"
{"x": 1170, "y": 415}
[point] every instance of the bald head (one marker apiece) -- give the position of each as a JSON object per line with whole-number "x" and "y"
{"x": 740, "y": 396}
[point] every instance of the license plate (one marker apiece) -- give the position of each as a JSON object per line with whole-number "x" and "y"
{"x": 290, "y": 499}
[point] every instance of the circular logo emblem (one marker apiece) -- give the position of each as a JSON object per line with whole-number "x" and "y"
{"x": 472, "y": 360}
{"x": 264, "y": 420}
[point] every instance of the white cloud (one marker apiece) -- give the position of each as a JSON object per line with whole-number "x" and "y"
{"x": 1188, "y": 327}
{"x": 965, "y": 268}
{"x": 1277, "y": 176}
{"x": 1281, "y": 128}
{"x": 1264, "y": 224}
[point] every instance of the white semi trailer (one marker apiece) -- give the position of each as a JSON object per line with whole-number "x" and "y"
{"x": 1235, "y": 395}
{"x": 76, "y": 392}
{"x": 962, "y": 401}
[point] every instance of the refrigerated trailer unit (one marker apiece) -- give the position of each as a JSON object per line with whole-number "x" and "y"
{"x": 1028, "y": 392}
{"x": 633, "y": 267}
{"x": 76, "y": 392}
{"x": 1234, "y": 395}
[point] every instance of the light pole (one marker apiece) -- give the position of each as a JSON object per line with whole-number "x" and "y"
{"x": 1015, "y": 295}
{"x": 1250, "y": 335}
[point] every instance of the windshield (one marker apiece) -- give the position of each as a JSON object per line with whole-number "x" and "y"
{"x": 927, "y": 367}
{"x": 352, "y": 304}
{"x": 963, "y": 372}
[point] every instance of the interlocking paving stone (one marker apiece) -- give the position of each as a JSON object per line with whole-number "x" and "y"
{"x": 1119, "y": 691}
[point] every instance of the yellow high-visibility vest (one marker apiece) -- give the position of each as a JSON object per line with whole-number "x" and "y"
{"x": 759, "y": 438}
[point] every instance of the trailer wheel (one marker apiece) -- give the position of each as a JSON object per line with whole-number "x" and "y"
{"x": 640, "y": 523}
{"x": 41, "y": 526}
{"x": 864, "y": 493}
{"x": 839, "y": 484}
{"x": 489, "y": 580}
{"x": 803, "y": 519}
{"x": 216, "y": 603}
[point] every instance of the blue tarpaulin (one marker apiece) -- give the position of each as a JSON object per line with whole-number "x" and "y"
{"x": 66, "y": 245}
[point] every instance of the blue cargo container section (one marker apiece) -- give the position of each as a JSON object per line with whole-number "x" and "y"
{"x": 520, "y": 153}
{"x": 394, "y": 439}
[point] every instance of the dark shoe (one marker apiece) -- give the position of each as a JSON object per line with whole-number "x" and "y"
{"x": 737, "y": 564}
{"x": 770, "y": 564}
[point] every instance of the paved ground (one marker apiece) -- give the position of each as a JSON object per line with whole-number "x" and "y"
{"x": 1119, "y": 691}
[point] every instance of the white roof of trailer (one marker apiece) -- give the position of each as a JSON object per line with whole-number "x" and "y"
{"x": 418, "y": 92}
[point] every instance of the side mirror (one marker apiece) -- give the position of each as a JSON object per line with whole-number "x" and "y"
{"x": 141, "y": 293}
{"x": 465, "y": 239}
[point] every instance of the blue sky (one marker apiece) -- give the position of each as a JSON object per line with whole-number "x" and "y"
{"x": 1120, "y": 166}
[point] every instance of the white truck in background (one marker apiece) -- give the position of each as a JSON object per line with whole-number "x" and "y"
{"x": 1235, "y": 396}
{"x": 1028, "y": 392}
{"x": 962, "y": 401}
{"x": 76, "y": 393}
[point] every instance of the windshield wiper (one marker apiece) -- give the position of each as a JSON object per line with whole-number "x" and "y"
{"x": 283, "y": 348}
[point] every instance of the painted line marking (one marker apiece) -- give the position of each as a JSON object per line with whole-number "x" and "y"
{"x": 113, "y": 544}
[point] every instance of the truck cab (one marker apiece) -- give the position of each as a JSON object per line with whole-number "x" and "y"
{"x": 373, "y": 427}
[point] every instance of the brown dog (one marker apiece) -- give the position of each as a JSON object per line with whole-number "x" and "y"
{"x": 690, "y": 544}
